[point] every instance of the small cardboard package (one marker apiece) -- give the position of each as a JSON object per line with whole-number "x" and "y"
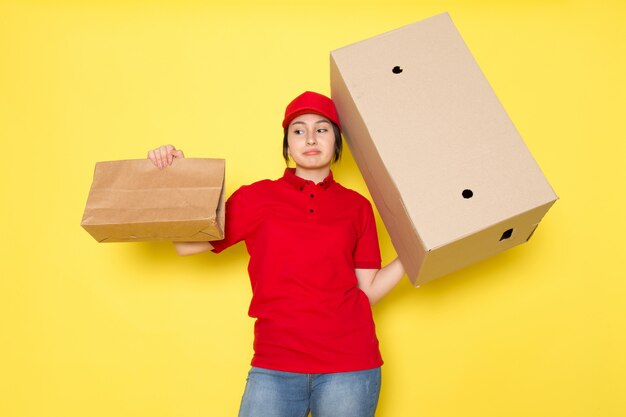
{"x": 449, "y": 173}
{"x": 132, "y": 201}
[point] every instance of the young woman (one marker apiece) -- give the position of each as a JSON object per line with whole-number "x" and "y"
{"x": 315, "y": 269}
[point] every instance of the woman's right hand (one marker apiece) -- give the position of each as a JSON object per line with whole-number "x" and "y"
{"x": 163, "y": 156}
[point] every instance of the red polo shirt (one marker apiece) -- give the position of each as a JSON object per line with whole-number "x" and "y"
{"x": 304, "y": 241}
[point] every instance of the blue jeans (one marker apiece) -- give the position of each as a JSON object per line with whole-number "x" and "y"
{"x": 286, "y": 394}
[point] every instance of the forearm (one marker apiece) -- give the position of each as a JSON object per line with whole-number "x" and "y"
{"x": 191, "y": 248}
{"x": 380, "y": 282}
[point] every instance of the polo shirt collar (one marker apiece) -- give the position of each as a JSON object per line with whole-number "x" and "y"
{"x": 299, "y": 183}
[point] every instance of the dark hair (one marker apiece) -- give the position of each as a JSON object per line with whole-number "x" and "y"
{"x": 338, "y": 143}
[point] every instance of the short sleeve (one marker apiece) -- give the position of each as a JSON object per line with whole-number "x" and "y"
{"x": 239, "y": 219}
{"x": 367, "y": 251}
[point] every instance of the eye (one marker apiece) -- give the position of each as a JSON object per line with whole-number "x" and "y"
{"x": 298, "y": 131}
{"x": 322, "y": 130}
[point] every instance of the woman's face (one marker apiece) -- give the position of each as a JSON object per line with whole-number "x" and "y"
{"x": 311, "y": 141}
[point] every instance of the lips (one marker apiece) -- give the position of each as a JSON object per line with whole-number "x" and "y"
{"x": 312, "y": 152}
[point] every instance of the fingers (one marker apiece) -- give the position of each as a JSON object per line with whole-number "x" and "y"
{"x": 152, "y": 157}
{"x": 164, "y": 155}
{"x": 157, "y": 156}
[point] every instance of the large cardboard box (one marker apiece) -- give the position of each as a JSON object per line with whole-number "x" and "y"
{"x": 448, "y": 171}
{"x": 132, "y": 201}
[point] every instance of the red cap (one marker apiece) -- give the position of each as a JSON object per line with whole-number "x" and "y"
{"x": 310, "y": 102}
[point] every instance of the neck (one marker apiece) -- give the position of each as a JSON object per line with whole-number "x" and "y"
{"x": 316, "y": 175}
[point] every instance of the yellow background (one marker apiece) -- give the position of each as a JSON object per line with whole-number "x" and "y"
{"x": 90, "y": 329}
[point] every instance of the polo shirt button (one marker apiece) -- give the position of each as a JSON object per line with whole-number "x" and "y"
{"x": 312, "y": 195}
{"x": 311, "y": 210}
{"x": 301, "y": 188}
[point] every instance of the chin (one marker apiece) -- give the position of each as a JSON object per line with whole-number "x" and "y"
{"x": 313, "y": 164}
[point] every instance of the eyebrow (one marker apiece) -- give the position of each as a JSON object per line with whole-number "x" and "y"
{"x": 319, "y": 121}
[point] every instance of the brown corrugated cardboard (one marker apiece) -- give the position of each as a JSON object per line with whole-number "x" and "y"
{"x": 448, "y": 171}
{"x": 132, "y": 201}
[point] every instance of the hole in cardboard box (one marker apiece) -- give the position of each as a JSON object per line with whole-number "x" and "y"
{"x": 507, "y": 234}
{"x": 467, "y": 194}
{"x": 397, "y": 70}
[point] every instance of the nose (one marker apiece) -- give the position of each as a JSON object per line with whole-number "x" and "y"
{"x": 310, "y": 138}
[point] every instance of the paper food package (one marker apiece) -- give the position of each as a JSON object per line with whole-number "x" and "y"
{"x": 132, "y": 201}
